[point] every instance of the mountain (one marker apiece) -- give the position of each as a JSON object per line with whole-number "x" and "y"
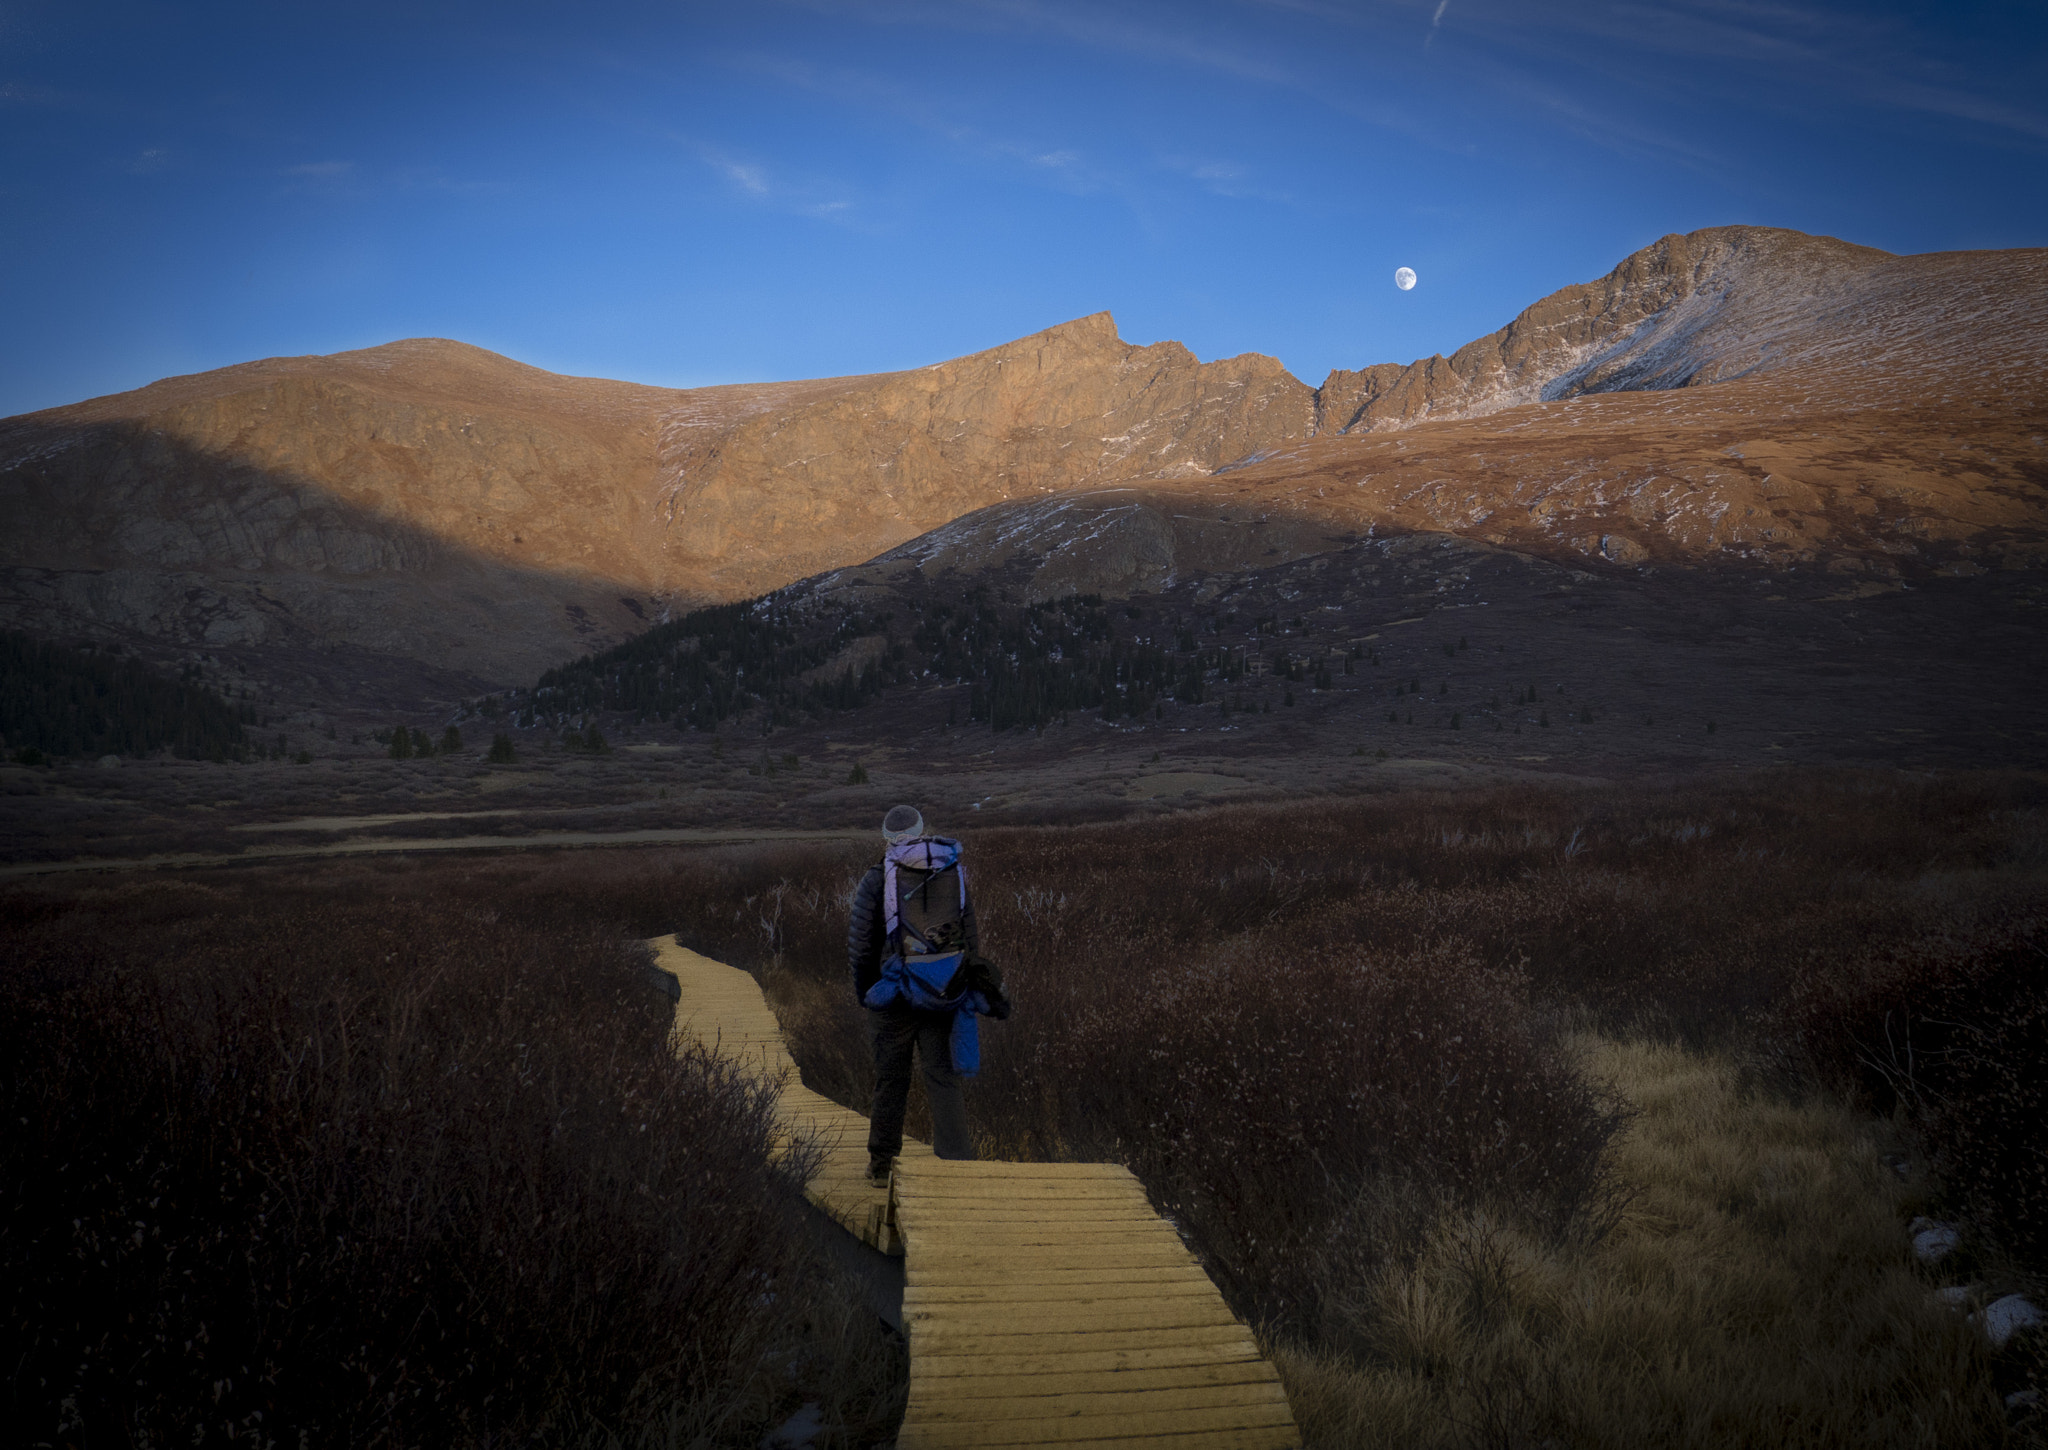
{"x": 1736, "y": 396}
{"x": 1684, "y": 311}
{"x": 871, "y": 462}
{"x": 432, "y": 502}
{"x": 428, "y": 519}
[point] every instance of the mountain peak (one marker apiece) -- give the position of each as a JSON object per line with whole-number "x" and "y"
{"x": 1691, "y": 307}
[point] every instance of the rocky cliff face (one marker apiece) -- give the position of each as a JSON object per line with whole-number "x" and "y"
{"x": 1685, "y": 311}
{"x": 874, "y": 462}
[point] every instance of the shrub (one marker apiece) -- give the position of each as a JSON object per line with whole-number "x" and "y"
{"x": 1285, "y": 1107}
{"x": 1948, "y": 1028}
{"x": 501, "y": 751}
{"x": 1281, "y": 1097}
{"x": 303, "y": 1167}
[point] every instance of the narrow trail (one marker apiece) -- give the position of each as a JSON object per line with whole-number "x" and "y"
{"x": 1045, "y": 1303}
{"x": 653, "y": 836}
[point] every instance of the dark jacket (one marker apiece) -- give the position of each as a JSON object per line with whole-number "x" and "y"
{"x": 864, "y": 943}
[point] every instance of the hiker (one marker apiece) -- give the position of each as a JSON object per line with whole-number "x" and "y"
{"x": 914, "y": 951}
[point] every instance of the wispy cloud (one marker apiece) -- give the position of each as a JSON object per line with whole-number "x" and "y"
{"x": 321, "y": 170}
{"x": 1063, "y": 167}
{"x": 750, "y": 179}
{"x": 1231, "y": 179}
{"x": 1776, "y": 55}
{"x": 1166, "y": 36}
{"x": 757, "y": 182}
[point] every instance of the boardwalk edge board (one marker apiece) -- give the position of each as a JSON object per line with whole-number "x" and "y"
{"x": 1045, "y": 1303}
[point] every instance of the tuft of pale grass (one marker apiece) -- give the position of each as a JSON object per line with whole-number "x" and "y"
{"x": 1755, "y": 1290}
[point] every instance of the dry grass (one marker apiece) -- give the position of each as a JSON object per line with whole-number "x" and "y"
{"x": 1754, "y": 1291}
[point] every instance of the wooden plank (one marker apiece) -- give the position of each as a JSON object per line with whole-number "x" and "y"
{"x": 1001, "y": 1383}
{"x": 983, "y": 1264}
{"x": 1046, "y": 1302}
{"x": 992, "y": 1171}
{"x": 943, "y": 1319}
{"x": 1058, "y": 1293}
{"x": 952, "y": 1241}
{"x": 1249, "y": 1425}
{"x": 1069, "y": 1218}
{"x": 1275, "y": 1437}
{"x": 970, "y": 1369}
{"x": 983, "y": 1260}
{"x": 1078, "y": 1233}
{"x": 981, "y": 1211}
{"x": 1074, "y": 1278}
{"x": 1025, "y": 1197}
{"x": 969, "y": 1191}
{"x": 1190, "y": 1343}
{"x": 1055, "y": 1218}
{"x": 1092, "y": 1404}
{"x": 1266, "y": 1437}
{"x": 1026, "y": 1207}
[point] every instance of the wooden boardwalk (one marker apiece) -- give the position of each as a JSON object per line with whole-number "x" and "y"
{"x": 722, "y": 1007}
{"x": 1045, "y": 1303}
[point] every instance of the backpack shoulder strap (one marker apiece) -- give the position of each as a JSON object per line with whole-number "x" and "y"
{"x": 890, "y": 918}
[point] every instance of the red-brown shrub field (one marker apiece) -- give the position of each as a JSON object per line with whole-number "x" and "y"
{"x": 335, "y": 1164}
{"x": 387, "y": 1117}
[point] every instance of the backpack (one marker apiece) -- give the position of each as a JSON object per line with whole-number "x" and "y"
{"x": 924, "y": 897}
{"x": 924, "y": 907}
{"x": 924, "y": 934}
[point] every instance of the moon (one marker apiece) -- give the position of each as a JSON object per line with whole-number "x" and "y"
{"x": 1404, "y": 278}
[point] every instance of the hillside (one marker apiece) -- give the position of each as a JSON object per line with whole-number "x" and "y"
{"x": 426, "y": 520}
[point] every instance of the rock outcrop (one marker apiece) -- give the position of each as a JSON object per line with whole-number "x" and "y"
{"x": 1687, "y": 310}
{"x": 878, "y": 461}
{"x": 1736, "y": 395}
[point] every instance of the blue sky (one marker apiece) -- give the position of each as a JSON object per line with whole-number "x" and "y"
{"x": 690, "y": 194}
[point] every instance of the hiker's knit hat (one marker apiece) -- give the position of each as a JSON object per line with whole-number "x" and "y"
{"x": 903, "y": 823}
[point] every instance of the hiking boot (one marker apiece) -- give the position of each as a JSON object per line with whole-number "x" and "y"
{"x": 879, "y": 1169}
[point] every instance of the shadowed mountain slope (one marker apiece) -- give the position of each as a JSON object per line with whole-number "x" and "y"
{"x": 434, "y": 500}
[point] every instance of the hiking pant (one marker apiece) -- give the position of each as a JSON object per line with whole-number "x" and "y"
{"x": 898, "y": 1032}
